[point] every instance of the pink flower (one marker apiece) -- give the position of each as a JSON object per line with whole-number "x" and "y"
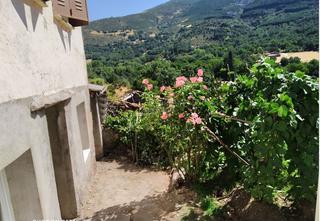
{"x": 190, "y": 98}
{"x": 205, "y": 87}
{"x": 198, "y": 120}
{"x": 202, "y": 98}
{"x": 164, "y": 116}
{"x": 162, "y": 89}
{"x": 149, "y": 87}
{"x": 171, "y": 95}
{"x": 200, "y": 79}
{"x": 200, "y": 72}
{"x": 194, "y": 79}
{"x": 145, "y": 81}
{"x": 181, "y": 116}
{"x": 181, "y": 78}
{"x": 180, "y": 81}
{"x": 194, "y": 115}
{"x": 194, "y": 119}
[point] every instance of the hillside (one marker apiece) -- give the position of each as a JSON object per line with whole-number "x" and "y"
{"x": 199, "y": 22}
{"x": 180, "y": 27}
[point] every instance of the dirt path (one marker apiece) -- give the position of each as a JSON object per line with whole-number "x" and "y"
{"x": 120, "y": 191}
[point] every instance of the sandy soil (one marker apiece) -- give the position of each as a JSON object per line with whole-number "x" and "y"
{"x": 122, "y": 191}
{"x": 305, "y": 56}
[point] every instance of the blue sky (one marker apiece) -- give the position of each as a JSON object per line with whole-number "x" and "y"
{"x": 107, "y": 8}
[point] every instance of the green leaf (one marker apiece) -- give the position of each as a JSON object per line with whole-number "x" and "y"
{"x": 282, "y": 111}
{"x": 299, "y": 74}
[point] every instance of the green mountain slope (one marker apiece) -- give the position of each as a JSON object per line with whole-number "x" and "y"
{"x": 181, "y": 25}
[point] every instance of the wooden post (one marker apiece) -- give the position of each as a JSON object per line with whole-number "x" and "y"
{"x": 63, "y": 23}
{"x": 39, "y": 3}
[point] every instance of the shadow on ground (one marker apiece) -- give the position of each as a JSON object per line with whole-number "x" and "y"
{"x": 125, "y": 163}
{"x": 166, "y": 206}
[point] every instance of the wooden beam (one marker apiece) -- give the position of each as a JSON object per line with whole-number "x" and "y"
{"x": 39, "y": 3}
{"x": 63, "y": 23}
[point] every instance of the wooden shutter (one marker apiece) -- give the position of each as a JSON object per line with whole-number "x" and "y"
{"x": 61, "y": 7}
{"x": 79, "y": 12}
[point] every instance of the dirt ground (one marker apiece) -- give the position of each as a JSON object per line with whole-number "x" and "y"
{"x": 121, "y": 191}
{"x": 305, "y": 56}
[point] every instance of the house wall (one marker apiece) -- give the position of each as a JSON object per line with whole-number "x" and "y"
{"x": 62, "y": 164}
{"x": 21, "y": 131}
{"x": 38, "y": 59}
{"x": 20, "y": 174}
{"x": 36, "y": 55}
{"x": 97, "y": 129}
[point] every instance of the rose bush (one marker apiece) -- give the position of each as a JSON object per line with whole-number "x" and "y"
{"x": 260, "y": 130}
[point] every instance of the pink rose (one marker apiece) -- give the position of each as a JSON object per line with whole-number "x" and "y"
{"x": 190, "y": 98}
{"x": 200, "y": 79}
{"x": 198, "y": 120}
{"x": 164, "y": 116}
{"x": 181, "y": 116}
{"x": 162, "y": 89}
{"x": 205, "y": 87}
{"x": 194, "y": 115}
{"x": 180, "y": 83}
{"x": 181, "y": 78}
{"x": 194, "y": 79}
{"x": 194, "y": 119}
{"x": 145, "y": 81}
{"x": 200, "y": 72}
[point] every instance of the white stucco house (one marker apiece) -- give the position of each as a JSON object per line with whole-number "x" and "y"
{"x": 47, "y": 143}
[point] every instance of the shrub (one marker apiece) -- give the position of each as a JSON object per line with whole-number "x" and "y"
{"x": 260, "y": 130}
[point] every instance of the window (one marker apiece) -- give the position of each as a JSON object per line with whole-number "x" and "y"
{"x": 73, "y": 11}
{"x": 83, "y": 128}
{"x": 6, "y": 211}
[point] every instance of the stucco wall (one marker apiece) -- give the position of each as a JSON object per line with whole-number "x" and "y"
{"x": 38, "y": 58}
{"x": 20, "y": 174}
{"x": 82, "y": 168}
{"x": 36, "y": 55}
{"x": 21, "y": 130}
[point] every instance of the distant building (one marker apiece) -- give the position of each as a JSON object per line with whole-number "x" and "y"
{"x": 47, "y": 145}
{"x": 273, "y": 54}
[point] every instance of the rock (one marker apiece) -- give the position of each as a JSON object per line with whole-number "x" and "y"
{"x": 177, "y": 179}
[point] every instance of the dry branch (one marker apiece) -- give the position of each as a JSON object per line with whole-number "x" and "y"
{"x": 232, "y": 118}
{"x": 224, "y": 145}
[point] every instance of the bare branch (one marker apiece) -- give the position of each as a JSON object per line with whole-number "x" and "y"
{"x": 224, "y": 145}
{"x": 232, "y": 118}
